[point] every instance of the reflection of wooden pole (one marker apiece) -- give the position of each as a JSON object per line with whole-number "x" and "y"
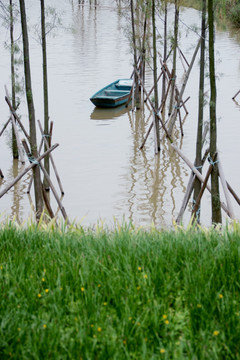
{"x": 49, "y": 182}
{"x": 225, "y": 189}
{"x": 9, "y": 186}
{"x": 1, "y": 174}
{"x": 51, "y": 158}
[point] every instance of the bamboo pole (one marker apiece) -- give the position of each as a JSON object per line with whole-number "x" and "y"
{"x": 15, "y": 115}
{"x": 236, "y": 95}
{"x": 51, "y": 159}
{"x": 9, "y": 186}
{"x": 198, "y": 200}
{"x": 233, "y": 193}
{"x": 4, "y": 127}
{"x": 225, "y": 188}
{"x": 197, "y": 173}
{"x": 50, "y": 184}
{"x": 173, "y": 115}
{"x": 189, "y": 190}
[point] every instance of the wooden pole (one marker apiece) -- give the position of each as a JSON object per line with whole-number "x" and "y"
{"x": 16, "y": 117}
{"x": 197, "y": 173}
{"x": 173, "y": 115}
{"x": 51, "y": 158}
{"x": 1, "y": 174}
{"x": 189, "y": 190}
{"x": 49, "y": 182}
{"x": 225, "y": 188}
{"x": 9, "y": 186}
{"x": 4, "y": 127}
{"x": 197, "y": 203}
{"x": 20, "y": 151}
{"x": 233, "y": 193}
{"x": 236, "y": 95}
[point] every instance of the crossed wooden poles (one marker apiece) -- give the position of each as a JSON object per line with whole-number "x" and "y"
{"x": 34, "y": 162}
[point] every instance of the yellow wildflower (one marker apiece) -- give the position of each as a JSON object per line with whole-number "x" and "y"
{"x": 216, "y": 333}
{"x": 162, "y": 351}
{"x": 92, "y": 325}
{"x": 139, "y": 287}
{"x": 220, "y": 296}
{"x": 39, "y": 295}
{"x": 105, "y": 303}
{"x": 199, "y": 306}
{"x": 19, "y": 329}
{"x": 1, "y": 267}
{"x": 43, "y": 279}
{"x": 130, "y": 318}
{"x": 82, "y": 289}
{"x": 99, "y": 285}
{"x": 145, "y": 276}
{"x": 164, "y": 316}
{"x": 61, "y": 288}
{"x": 139, "y": 268}
{"x": 124, "y": 341}
{"x": 46, "y": 291}
{"x": 99, "y": 329}
{"x": 44, "y": 326}
{"x": 166, "y": 322}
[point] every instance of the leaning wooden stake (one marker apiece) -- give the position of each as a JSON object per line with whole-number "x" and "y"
{"x": 49, "y": 182}
{"x": 197, "y": 173}
{"x": 189, "y": 190}
{"x": 16, "y": 116}
{"x": 9, "y": 186}
{"x": 4, "y": 127}
{"x": 236, "y": 95}
{"x": 173, "y": 115}
{"x": 198, "y": 200}
{"x": 51, "y": 158}
{"x": 225, "y": 188}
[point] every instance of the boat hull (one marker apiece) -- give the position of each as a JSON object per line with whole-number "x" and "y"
{"x": 113, "y": 95}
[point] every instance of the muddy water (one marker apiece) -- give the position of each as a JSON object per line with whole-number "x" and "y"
{"x": 104, "y": 174}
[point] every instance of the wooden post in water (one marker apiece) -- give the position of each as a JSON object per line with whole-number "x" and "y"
{"x": 49, "y": 182}
{"x": 24, "y": 172}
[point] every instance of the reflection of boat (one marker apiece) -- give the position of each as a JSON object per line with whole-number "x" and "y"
{"x": 114, "y": 94}
{"x": 108, "y": 114}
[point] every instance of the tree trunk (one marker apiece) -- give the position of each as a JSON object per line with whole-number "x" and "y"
{"x": 45, "y": 90}
{"x": 31, "y": 112}
{"x": 215, "y": 197}
{"x": 137, "y": 93}
{"x": 198, "y": 161}
{"x": 14, "y": 142}
{"x": 156, "y": 121}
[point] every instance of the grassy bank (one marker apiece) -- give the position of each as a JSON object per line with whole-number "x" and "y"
{"x": 226, "y": 9}
{"x": 119, "y": 295}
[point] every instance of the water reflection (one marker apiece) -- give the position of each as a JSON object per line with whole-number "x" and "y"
{"x": 108, "y": 114}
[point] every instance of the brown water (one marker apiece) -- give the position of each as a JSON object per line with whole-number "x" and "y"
{"x": 103, "y": 173}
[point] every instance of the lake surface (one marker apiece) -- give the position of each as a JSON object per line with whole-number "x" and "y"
{"x": 104, "y": 174}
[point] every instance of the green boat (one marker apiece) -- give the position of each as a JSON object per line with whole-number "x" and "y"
{"x": 114, "y": 94}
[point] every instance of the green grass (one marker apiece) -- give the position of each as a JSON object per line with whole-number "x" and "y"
{"x": 122, "y": 294}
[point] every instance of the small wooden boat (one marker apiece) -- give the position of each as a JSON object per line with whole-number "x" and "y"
{"x": 114, "y": 94}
